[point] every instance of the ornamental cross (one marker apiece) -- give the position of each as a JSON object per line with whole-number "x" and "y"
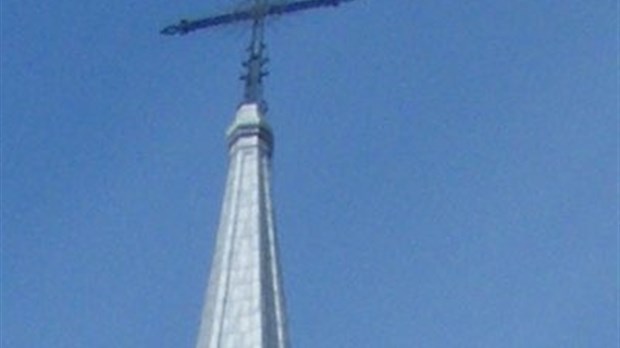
{"x": 256, "y": 13}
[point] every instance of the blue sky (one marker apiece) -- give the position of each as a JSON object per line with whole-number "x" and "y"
{"x": 445, "y": 171}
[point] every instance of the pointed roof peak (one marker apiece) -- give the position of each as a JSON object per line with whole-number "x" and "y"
{"x": 250, "y": 121}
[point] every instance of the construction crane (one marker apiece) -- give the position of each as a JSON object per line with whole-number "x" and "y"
{"x": 257, "y": 14}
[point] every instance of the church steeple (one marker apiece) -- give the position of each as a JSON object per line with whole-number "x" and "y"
{"x": 244, "y": 304}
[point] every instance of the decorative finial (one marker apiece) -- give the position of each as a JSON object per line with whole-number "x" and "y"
{"x": 255, "y": 64}
{"x": 257, "y": 14}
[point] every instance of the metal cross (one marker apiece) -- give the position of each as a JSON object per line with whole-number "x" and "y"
{"x": 257, "y": 13}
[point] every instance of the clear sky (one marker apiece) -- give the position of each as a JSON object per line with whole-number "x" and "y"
{"x": 445, "y": 171}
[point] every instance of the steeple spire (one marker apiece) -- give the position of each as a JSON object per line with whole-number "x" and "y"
{"x": 244, "y": 305}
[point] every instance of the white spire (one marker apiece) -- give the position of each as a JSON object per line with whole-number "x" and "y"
{"x": 244, "y": 305}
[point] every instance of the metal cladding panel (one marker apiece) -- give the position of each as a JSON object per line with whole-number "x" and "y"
{"x": 244, "y": 303}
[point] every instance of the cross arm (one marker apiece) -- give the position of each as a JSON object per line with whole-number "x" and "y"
{"x": 255, "y": 12}
{"x": 185, "y": 26}
{"x": 302, "y": 6}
